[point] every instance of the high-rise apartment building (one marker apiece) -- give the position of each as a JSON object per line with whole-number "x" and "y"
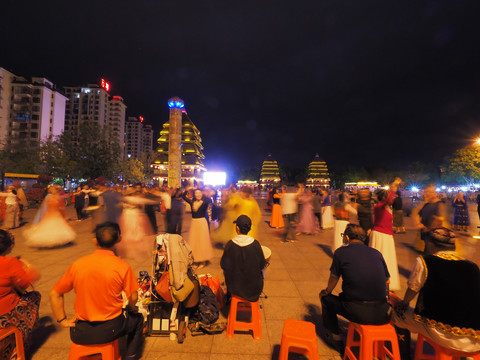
{"x": 30, "y": 111}
{"x": 116, "y": 121}
{"x": 93, "y": 103}
{"x": 133, "y": 138}
{"x": 147, "y": 145}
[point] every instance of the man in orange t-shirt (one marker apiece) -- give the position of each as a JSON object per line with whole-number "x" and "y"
{"x": 99, "y": 280}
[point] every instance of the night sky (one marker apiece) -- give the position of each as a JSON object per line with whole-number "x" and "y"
{"x": 359, "y": 82}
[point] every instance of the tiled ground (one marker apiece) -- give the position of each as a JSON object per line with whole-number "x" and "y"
{"x": 297, "y": 272}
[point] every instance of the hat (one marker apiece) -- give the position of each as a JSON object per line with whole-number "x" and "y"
{"x": 243, "y": 221}
{"x": 443, "y": 238}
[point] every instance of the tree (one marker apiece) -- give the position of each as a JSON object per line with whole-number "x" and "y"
{"x": 19, "y": 159}
{"x": 53, "y": 160}
{"x": 464, "y": 164}
{"x": 93, "y": 151}
{"x": 131, "y": 170}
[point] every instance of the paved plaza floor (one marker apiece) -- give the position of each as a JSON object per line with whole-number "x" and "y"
{"x": 297, "y": 272}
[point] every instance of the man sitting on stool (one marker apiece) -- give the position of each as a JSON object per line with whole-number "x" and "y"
{"x": 99, "y": 280}
{"x": 364, "y": 289}
{"x": 242, "y": 263}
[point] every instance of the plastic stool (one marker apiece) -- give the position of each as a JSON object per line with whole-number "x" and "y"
{"x": 18, "y": 340}
{"x": 239, "y": 304}
{"x": 371, "y": 335}
{"x": 441, "y": 353}
{"x": 107, "y": 351}
{"x": 300, "y": 337}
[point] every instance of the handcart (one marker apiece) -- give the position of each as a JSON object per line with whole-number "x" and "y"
{"x": 168, "y": 315}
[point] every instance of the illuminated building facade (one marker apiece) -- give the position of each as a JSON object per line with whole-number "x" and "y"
{"x": 318, "y": 173}
{"x": 270, "y": 173}
{"x": 30, "y": 111}
{"x": 192, "y": 155}
{"x": 93, "y": 103}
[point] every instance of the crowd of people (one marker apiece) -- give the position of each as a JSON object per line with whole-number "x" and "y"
{"x": 362, "y": 227}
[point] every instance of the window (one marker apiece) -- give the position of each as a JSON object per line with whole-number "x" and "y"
{"x": 33, "y": 134}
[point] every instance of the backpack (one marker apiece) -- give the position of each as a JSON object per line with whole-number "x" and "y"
{"x": 207, "y": 311}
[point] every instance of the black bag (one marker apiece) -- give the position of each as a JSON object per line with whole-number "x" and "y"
{"x": 207, "y": 311}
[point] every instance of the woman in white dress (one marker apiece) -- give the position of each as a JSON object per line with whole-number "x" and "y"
{"x": 342, "y": 210}
{"x": 52, "y": 230}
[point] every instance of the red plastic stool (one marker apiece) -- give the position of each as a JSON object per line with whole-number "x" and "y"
{"x": 441, "y": 353}
{"x": 107, "y": 351}
{"x": 239, "y": 304}
{"x": 300, "y": 337}
{"x": 371, "y": 335}
{"x": 18, "y": 340}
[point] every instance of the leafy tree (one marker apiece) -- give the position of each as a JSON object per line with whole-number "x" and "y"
{"x": 54, "y": 161}
{"x": 464, "y": 164}
{"x": 19, "y": 159}
{"x": 131, "y": 170}
{"x": 92, "y": 150}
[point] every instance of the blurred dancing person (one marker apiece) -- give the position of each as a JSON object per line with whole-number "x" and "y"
{"x": 397, "y": 208}
{"x": 381, "y": 237}
{"x": 52, "y": 230}
{"x": 289, "y": 206}
{"x": 176, "y": 213}
{"x": 307, "y": 222}
{"x": 317, "y": 205}
{"x": 199, "y": 235}
{"x": 113, "y": 204}
{"x": 12, "y": 209}
{"x": 342, "y": 210}
{"x": 135, "y": 227}
{"x": 429, "y": 216}
{"x": 365, "y": 211}
{"x": 249, "y": 206}
{"x": 327, "y": 217}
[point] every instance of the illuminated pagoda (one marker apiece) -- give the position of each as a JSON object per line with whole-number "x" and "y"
{"x": 192, "y": 155}
{"x": 270, "y": 173}
{"x": 317, "y": 174}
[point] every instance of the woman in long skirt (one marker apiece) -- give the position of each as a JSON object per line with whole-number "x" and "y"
{"x": 381, "y": 237}
{"x": 307, "y": 222}
{"x": 199, "y": 234}
{"x": 461, "y": 218}
{"x": 52, "y": 230}
{"x": 276, "y": 221}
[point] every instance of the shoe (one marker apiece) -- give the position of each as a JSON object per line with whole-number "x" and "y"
{"x": 336, "y": 345}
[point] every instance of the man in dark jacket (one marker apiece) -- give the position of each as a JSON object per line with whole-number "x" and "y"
{"x": 242, "y": 263}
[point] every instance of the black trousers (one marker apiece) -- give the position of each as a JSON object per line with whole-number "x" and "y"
{"x": 366, "y": 313}
{"x": 102, "y": 332}
{"x": 289, "y": 227}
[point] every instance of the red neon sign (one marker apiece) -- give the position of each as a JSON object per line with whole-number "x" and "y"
{"x": 105, "y": 85}
{"x": 141, "y": 119}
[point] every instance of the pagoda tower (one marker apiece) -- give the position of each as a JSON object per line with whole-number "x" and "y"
{"x": 270, "y": 173}
{"x": 192, "y": 155}
{"x": 317, "y": 174}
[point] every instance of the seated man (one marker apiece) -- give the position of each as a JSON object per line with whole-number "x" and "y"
{"x": 364, "y": 289}
{"x": 242, "y": 263}
{"x": 99, "y": 280}
{"x": 447, "y": 308}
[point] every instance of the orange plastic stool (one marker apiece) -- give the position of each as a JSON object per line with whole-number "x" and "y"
{"x": 441, "y": 353}
{"x": 18, "y": 340}
{"x": 107, "y": 351}
{"x": 300, "y": 337}
{"x": 372, "y": 342}
{"x": 239, "y": 304}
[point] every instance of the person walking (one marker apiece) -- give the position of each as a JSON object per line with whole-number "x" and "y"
{"x": 276, "y": 220}
{"x": 289, "y": 206}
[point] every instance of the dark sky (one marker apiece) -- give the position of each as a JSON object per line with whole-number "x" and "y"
{"x": 359, "y": 82}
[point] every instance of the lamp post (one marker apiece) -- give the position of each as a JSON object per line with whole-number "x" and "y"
{"x": 176, "y": 106}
